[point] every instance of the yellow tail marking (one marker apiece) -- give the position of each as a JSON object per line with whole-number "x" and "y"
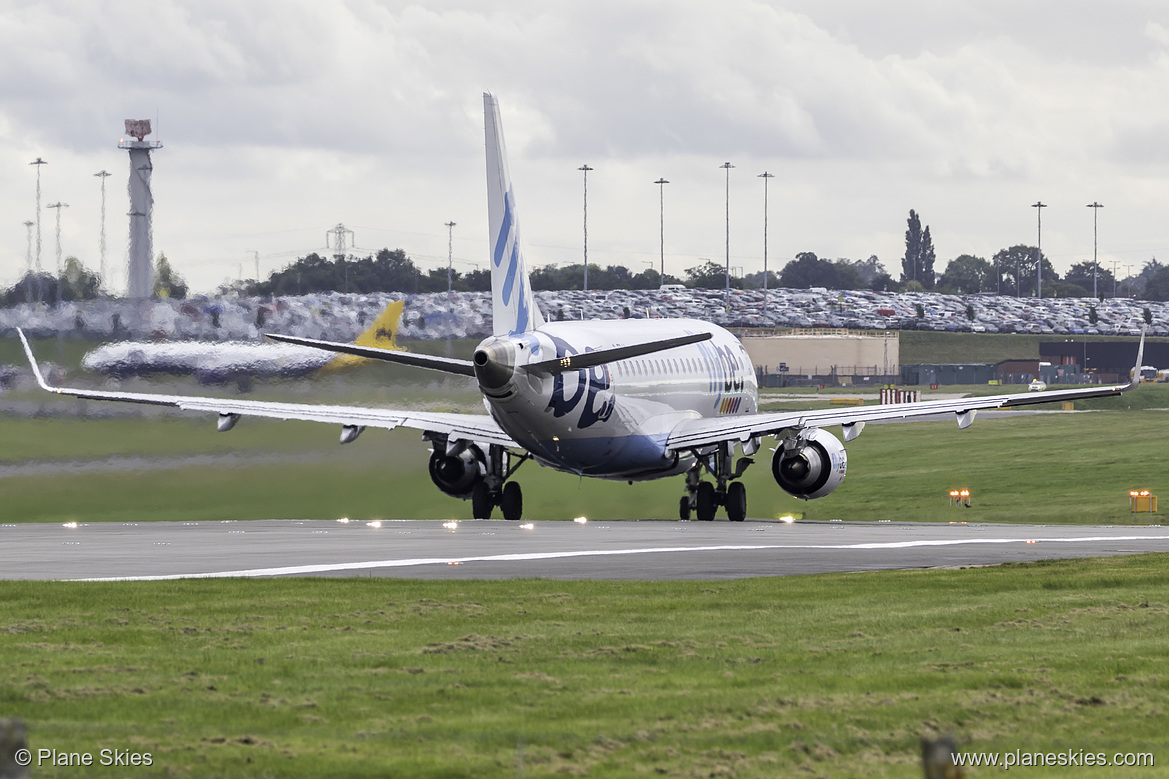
{"x": 382, "y": 334}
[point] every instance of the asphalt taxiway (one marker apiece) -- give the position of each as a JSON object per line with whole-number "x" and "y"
{"x": 495, "y": 549}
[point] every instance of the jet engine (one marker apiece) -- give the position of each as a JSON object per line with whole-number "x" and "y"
{"x": 456, "y": 474}
{"x": 813, "y": 467}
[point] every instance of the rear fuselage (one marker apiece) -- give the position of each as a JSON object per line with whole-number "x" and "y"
{"x": 612, "y": 421}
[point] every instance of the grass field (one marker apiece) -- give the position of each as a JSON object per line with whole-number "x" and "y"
{"x": 835, "y": 675}
{"x": 1070, "y": 468}
{"x": 830, "y": 676}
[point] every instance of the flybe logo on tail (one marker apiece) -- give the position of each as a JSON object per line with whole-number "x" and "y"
{"x": 507, "y": 246}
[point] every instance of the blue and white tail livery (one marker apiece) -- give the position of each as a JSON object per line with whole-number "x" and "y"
{"x": 513, "y": 307}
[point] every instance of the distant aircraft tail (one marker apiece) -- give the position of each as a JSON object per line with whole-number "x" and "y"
{"x": 513, "y": 308}
{"x": 381, "y": 334}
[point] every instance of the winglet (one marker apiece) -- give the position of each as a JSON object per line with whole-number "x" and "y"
{"x": 1135, "y": 379}
{"x": 36, "y": 369}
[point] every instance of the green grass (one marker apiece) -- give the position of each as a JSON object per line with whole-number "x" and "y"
{"x": 924, "y": 346}
{"x": 834, "y": 675}
{"x": 1054, "y": 469}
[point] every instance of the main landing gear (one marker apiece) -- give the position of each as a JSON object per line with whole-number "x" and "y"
{"x": 510, "y": 500}
{"x": 494, "y": 489}
{"x": 703, "y": 498}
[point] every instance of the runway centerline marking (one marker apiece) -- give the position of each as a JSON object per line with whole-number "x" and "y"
{"x": 294, "y": 570}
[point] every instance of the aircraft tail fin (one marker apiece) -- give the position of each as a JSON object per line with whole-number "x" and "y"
{"x": 382, "y": 334}
{"x": 513, "y": 307}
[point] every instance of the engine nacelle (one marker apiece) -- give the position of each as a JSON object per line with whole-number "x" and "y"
{"x": 813, "y": 468}
{"x": 457, "y": 474}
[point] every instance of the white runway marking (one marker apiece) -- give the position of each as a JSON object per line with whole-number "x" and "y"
{"x": 301, "y": 570}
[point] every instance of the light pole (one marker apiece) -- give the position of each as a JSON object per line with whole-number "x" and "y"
{"x": 1038, "y": 206}
{"x": 60, "y": 276}
{"x": 39, "y": 162}
{"x": 1095, "y": 212}
{"x": 450, "y": 256}
{"x": 28, "y": 262}
{"x": 661, "y": 182}
{"x": 727, "y": 166}
{"x": 101, "y": 276}
{"x": 765, "y": 176}
{"x": 585, "y": 169}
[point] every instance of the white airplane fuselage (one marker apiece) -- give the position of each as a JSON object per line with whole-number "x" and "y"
{"x": 612, "y": 421}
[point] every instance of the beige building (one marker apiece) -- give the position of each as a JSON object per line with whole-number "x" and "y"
{"x": 844, "y": 354}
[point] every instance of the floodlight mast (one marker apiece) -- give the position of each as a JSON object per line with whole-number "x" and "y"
{"x": 140, "y": 271}
{"x": 450, "y": 257}
{"x": 727, "y": 166}
{"x": 60, "y": 270}
{"x": 28, "y": 263}
{"x": 103, "y": 175}
{"x": 765, "y": 176}
{"x": 585, "y": 170}
{"x": 1095, "y": 242}
{"x": 39, "y": 162}
{"x": 1039, "y": 206}
{"x": 661, "y": 182}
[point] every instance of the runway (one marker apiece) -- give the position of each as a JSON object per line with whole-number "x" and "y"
{"x": 495, "y": 549}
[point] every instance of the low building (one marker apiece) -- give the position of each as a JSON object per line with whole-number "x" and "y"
{"x": 837, "y": 357}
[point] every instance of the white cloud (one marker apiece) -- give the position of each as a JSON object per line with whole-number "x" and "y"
{"x": 282, "y": 118}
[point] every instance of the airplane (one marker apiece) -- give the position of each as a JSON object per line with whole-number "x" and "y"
{"x": 628, "y": 400}
{"x": 220, "y": 362}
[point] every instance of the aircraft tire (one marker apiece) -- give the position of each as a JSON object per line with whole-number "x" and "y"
{"x": 736, "y": 501}
{"x": 707, "y": 502}
{"x": 512, "y": 501}
{"x": 481, "y": 502}
{"x": 684, "y": 509}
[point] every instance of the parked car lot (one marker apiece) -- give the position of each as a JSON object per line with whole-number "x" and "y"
{"x": 338, "y": 317}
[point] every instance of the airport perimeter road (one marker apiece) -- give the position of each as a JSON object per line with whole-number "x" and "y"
{"x": 558, "y": 550}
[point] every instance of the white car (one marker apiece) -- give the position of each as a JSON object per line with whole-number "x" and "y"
{"x": 1037, "y": 386}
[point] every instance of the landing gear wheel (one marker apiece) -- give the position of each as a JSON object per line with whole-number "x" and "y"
{"x": 481, "y": 502}
{"x": 707, "y": 502}
{"x": 736, "y": 501}
{"x": 512, "y": 501}
{"x": 684, "y": 509}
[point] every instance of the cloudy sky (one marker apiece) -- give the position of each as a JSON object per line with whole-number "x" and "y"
{"x": 281, "y": 118}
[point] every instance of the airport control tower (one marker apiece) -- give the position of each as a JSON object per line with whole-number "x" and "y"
{"x": 140, "y": 275}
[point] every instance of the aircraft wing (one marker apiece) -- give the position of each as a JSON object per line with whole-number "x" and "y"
{"x": 698, "y": 433}
{"x": 475, "y": 427}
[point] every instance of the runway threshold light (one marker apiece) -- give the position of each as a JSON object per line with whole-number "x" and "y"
{"x": 960, "y": 498}
{"x": 1142, "y": 501}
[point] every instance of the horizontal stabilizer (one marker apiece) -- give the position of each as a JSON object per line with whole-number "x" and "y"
{"x": 576, "y": 362}
{"x": 444, "y": 364}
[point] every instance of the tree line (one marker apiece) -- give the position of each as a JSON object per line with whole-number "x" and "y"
{"x": 1011, "y": 271}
